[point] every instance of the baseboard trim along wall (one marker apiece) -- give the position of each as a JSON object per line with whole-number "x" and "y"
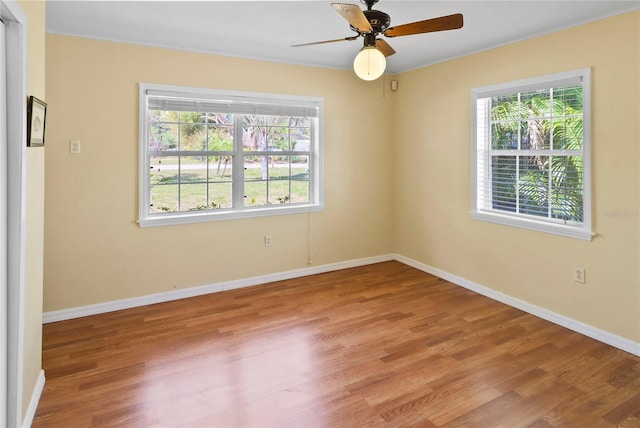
{"x": 561, "y": 320}
{"x": 577, "y": 326}
{"x": 35, "y": 399}
{"x": 116, "y": 305}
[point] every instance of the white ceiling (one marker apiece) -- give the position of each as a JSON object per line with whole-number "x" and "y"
{"x": 266, "y": 30}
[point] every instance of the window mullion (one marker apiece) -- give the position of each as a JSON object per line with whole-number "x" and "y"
{"x": 549, "y": 186}
{"x": 518, "y": 156}
{"x": 552, "y": 146}
{"x": 179, "y": 168}
{"x": 311, "y": 161}
{"x": 238, "y": 163}
{"x": 206, "y": 147}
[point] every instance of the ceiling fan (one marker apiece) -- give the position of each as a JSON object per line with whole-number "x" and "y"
{"x": 370, "y": 62}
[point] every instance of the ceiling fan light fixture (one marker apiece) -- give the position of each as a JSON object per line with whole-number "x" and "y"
{"x": 370, "y": 63}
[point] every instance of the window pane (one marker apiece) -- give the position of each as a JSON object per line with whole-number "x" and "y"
{"x": 161, "y": 116}
{"x": 300, "y": 167}
{"x": 535, "y": 104}
{"x": 163, "y": 198}
{"x": 277, "y": 138}
{"x": 503, "y": 173}
{"x": 193, "y": 197}
{"x": 535, "y": 135}
{"x": 279, "y": 178}
{"x": 254, "y": 138}
{"x": 567, "y": 101}
{"x": 279, "y": 167}
{"x": 220, "y": 181}
{"x": 273, "y": 133}
{"x": 191, "y": 117}
{"x": 505, "y": 107}
{"x": 254, "y": 132}
{"x": 163, "y": 136}
{"x": 504, "y": 135}
{"x": 300, "y": 139}
{"x": 302, "y": 122}
{"x": 220, "y": 195}
{"x": 255, "y": 177}
{"x": 163, "y": 170}
{"x": 299, "y": 179}
{"x": 299, "y": 191}
{"x": 255, "y": 193}
{"x": 193, "y": 137}
{"x": 273, "y": 120}
{"x": 220, "y": 138}
{"x": 255, "y": 168}
{"x": 567, "y": 133}
{"x": 534, "y": 185}
{"x": 219, "y": 118}
{"x": 193, "y": 169}
{"x": 566, "y": 190}
{"x": 220, "y": 168}
{"x": 279, "y": 192}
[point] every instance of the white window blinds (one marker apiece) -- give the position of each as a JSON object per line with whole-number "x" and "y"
{"x": 214, "y": 103}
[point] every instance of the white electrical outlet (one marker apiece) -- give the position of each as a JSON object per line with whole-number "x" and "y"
{"x": 267, "y": 241}
{"x": 74, "y": 147}
{"x": 578, "y": 275}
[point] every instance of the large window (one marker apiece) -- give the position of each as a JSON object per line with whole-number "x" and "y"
{"x": 531, "y": 154}
{"x": 209, "y": 155}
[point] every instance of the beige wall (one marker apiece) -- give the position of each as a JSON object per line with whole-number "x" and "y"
{"x": 397, "y": 177}
{"x": 94, "y": 250}
{"x": 433, "y": 223}
{"x": 35, "y": 162}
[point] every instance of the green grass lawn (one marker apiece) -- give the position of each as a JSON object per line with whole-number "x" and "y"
{"x": 187, "y": 189}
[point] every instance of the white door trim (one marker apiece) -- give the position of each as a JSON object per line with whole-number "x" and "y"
{"x": 3, "y": 223}
{"x": 16, "y": 52}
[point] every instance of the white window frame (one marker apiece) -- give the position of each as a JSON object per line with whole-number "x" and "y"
{"x": 481, "y": 161}
{"x": 316, "y": 163}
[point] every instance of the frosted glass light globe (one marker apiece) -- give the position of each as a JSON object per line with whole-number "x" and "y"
{"x": 369, "y": 63}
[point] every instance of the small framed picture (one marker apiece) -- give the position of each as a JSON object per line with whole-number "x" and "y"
{"x": 36, "y": 115}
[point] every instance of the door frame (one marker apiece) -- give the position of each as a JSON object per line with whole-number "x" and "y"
{"x": 13, "y": 331}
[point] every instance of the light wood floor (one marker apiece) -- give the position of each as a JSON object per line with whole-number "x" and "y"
{"x": 381, "y": 345}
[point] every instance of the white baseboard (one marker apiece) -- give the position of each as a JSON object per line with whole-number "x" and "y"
{"x": 116, "y": 305}
{"x": 577, "y": 326}
{"x": 35, "y": 399}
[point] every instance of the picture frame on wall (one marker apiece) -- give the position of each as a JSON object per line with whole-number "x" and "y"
{"x": 36, "y": 117}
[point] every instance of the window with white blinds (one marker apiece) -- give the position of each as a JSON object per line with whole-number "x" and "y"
{"x": 211, "y": 155}
{"x": 531, "y": 154}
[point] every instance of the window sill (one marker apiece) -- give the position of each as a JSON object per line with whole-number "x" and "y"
{"x": 567, "y": 230}
{"x": 169, "y": 219}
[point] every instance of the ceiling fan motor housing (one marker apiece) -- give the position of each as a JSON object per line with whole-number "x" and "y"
{"x": 379, "y": 21}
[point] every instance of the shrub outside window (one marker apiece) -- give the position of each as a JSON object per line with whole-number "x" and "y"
{"x": 212, "y": 155}
{"x": 531, "y": 151}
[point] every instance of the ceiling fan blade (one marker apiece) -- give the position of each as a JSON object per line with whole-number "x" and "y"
{"x": 384, "y": 47}
{"x": 353, "y": 14}
{"x": 325, "y": 41}
{"x": 449, "y": 22}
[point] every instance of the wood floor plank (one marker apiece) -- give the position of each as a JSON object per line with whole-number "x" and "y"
{"x": 383, "y": 345}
